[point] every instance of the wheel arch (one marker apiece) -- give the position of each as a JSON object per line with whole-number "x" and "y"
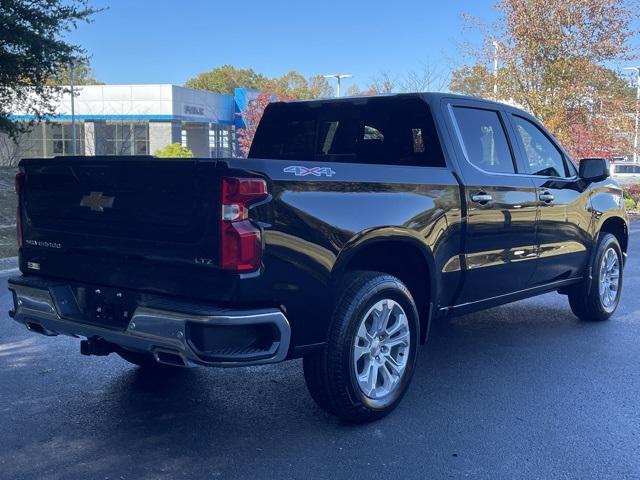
{"x": 617, "y": 227}
{"x": 401, "y": 254}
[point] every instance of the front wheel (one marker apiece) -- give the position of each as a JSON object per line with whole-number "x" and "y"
{"x": 367, "y": 365}
{"x": 602, "y": 299}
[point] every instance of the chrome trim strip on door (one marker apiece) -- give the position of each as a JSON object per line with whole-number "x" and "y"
{"x": 493, "y": 258}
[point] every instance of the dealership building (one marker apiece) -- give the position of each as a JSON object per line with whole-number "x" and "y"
{"x": 138, "y": 120}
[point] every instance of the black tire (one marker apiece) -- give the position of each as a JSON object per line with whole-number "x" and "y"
{"x": 585, "y": 302}
{"x": 144, "y": 360}
{"x": 330, "y": 374}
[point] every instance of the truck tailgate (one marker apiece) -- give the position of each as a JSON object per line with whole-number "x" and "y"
{"x": 111, "y": 212}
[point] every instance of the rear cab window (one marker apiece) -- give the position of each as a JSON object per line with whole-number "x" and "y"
{"x": 385, "y": 130}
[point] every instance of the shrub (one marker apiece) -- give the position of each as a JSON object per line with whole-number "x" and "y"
{"x": 631, "y": 192}
{"x": 175, "y": 150}
{"x": 629, "y": 204}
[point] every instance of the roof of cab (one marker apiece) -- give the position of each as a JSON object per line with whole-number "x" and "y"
{"x": 429, "y": 97}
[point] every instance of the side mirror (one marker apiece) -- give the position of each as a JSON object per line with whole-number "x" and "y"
{"x": 594, "y": 169}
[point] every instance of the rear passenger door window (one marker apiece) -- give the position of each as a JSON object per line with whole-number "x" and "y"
{"x": 542, "y": 157}
{"x": 484, "y": 140}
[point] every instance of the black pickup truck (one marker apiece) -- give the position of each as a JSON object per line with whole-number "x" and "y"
{"x": 352, "y": 226}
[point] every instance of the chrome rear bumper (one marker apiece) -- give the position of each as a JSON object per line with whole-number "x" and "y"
{"x": 171, "y": 336}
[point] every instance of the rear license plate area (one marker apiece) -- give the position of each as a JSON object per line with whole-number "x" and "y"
{"x": 106, "y": 307}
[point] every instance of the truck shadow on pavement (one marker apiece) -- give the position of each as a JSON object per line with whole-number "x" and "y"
{"x": 486, "y": 374}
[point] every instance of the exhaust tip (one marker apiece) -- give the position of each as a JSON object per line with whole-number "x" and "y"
{"x": 37, "y": 328}
{"x": 169, "y": 358}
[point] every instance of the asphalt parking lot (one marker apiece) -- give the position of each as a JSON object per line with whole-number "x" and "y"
{"x": 520, "y": 391}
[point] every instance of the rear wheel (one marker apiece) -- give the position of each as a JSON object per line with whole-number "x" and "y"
{"x": 603, "y": 297}
{"x": 367, "y": 365}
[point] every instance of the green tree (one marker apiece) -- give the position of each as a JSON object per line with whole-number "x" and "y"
{"x": 292, "y": 84}
{"x": 32, "y": 51}
{"x": 475, "y": 80}
{"x": 225, "y": 79}
{"x": 319, "y": 87}
{"x": 553, "y": 62}
{"x": 174, "y": 150}
{"x": 82, "y": 75}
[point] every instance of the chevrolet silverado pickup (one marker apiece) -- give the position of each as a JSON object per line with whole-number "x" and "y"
{"x": 351, "y": 227}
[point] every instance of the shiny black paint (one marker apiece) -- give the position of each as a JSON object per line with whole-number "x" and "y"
{"x": 314, "y": 228}
{"x": 499, "y": 238}
{"x": 555, "y": 239}
{"x": 563, "y": 223}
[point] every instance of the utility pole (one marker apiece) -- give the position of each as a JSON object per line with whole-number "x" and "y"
{"x": 635, "y": 136}
{"x": 74, "y": 147}
{"x": 495, "y": 71}
{"x": 338, "y": 77}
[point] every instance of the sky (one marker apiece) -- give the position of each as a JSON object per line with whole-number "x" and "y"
{"x": 163, "y": 41}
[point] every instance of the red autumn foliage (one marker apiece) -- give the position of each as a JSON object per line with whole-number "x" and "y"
{"x": 593, "y": 141}
{"x": 252, "y": 116}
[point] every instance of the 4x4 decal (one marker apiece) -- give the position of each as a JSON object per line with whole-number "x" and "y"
{"x": 299, "y": 171}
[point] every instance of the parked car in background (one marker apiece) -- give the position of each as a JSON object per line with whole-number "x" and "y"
{"x": 626, "y": 173}
{"x": 353, "y": 225}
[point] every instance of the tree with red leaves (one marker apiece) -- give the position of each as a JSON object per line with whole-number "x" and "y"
{"x": 555, "y": 62}
{"x": 252, "y": 115}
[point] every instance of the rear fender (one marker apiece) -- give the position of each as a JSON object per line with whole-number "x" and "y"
{"x": 395, "y": 238}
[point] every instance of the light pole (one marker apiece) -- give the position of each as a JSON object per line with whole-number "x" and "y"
{"x": 635, "y": 136}
{"x": 495, "y": 71}
{"x": 338, "y": 77}
{"x": 74, "y": 147}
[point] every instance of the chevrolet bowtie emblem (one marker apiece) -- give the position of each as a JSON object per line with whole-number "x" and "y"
{"x": 97, "y": 202}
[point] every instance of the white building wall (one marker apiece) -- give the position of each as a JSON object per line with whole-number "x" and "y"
{"x": 161, "y": 101}
{"x": 161, "y": 134}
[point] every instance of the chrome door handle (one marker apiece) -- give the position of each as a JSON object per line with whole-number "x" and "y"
{"x": 481, "y": 198}
{"x": 546, "y": 197}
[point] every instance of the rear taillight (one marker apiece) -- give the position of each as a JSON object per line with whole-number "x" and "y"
{"x": 240, "y": 238}
{"x": 19, "y": 181}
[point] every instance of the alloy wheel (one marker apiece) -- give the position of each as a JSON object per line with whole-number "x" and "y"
{"x": 609, "y": 279}
{"x": 381, "y": 349}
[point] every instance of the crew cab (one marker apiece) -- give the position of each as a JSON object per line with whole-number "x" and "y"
{"x": 351, "y": 227}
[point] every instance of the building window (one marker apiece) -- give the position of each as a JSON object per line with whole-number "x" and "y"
{"x": 118, "y": 138}
{"x": 213, "y": 144}
{"x": 31, "y": 142}
{"x": 224, "y": 142}
{"x": 141, "y": 139}
{"x": 58, "y": 139}
{"x": 221, "y": 141}
{"x": 233, "y": 150}
{"x": 183, "y": 138}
